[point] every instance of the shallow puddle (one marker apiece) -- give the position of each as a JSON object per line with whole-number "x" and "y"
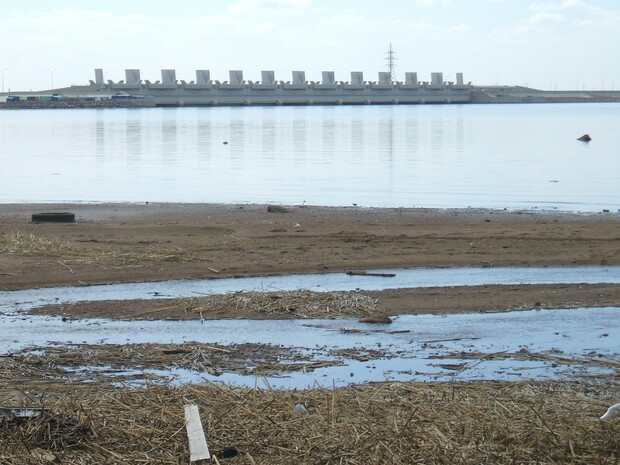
{"x": 549, "y": 344}
{"x": 535, "y": 344}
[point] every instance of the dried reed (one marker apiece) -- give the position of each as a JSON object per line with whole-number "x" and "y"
{"x": 19, "y": 243}
{"x": 301, "y": 303}
{"x": 391, "y": 423}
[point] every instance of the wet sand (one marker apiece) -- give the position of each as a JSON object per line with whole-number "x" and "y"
{"x": 144, "y": 242}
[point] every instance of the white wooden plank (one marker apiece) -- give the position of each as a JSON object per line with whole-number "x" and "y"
{"x": 198, "y": 449}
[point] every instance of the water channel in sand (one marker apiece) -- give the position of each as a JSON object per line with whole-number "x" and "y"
{"x": 565, "y": 343}
{"x": 403, "y": 278}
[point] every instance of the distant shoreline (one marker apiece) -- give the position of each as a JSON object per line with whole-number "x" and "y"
{"x": 227, "y": 95}
{"x": 115, "y": 104}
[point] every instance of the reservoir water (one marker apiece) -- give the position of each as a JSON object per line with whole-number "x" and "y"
{"x": 495, "y": 156}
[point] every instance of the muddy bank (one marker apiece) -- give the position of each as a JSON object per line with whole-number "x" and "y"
{"x": 131, "y": 242}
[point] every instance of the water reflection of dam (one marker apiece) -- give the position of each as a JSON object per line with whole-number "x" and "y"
{"x": 269, "y": 91}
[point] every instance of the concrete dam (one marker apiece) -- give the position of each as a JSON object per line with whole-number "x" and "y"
{"x": 268, "y": 91}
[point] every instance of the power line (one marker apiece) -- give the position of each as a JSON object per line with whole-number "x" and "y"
{"x": 390, "y": 57}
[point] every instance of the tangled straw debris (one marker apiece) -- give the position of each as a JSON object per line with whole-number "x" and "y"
{"x": 390, "y": 423}
{"x": 301, "y": 303}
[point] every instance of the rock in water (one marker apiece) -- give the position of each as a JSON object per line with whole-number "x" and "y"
{"x": 585, "y": 138}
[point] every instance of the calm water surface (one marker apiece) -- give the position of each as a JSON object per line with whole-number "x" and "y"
{"x": 575, "y": 336}
{"x": 12, "y": 301}
{"x": 514, "y": 156}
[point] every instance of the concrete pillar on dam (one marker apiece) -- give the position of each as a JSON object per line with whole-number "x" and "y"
{"x": 357, "y": 78}
{"x": 459, "y": 79}
{"x": 235, "y": 76}
{"x": 328, "y": 77}
{"x": 411, "y": 79}
{"x": 299, "y": 77}
{"x": 168, "y": 76}
{"x": 132, "y": 76}
{"x": 267, "y": 77}
{"x": 99, "y": 76}
{"x": 385, "y": 78}
{"x": 203, "y": 76}
{"x": 437, "y": 79}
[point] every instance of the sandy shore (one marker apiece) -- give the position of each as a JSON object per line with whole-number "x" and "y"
{"x": 99, "y": 404}
{"x": 141, "y": 242}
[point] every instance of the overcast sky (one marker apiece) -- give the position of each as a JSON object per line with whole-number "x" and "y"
{"x": 546, "y": 44}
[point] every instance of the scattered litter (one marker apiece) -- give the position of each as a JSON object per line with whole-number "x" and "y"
{"x": 21, "y": 412}
{"x": 376, "y": 319}
{"x": 384, "y": 331}
{"x": 368, "y": 273}
{"x": 228, "y": 452}
{"x": 450, "y": 366}
{"x": 276, "y": 209}
{"x": 44, "y": 456}
{"x": 198, "y": 448}
{"x": 612, "y": 412}
{"x": 53, "y": 217}
{"x": 300, "y": 409}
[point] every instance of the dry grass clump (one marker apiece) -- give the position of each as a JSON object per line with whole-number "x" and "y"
{"x": 300, "y": 303}
{"x": 136, "y": 255}
{"x": 391, "y": 423}
{"x": 19, "y": 243}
